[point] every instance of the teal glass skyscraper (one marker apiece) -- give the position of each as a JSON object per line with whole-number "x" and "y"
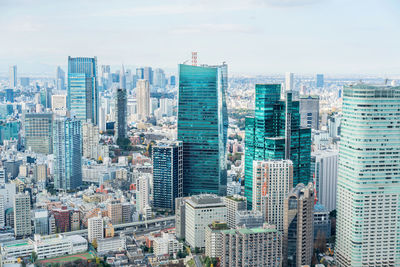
{"x": 368, "y": 193}
{"x": 202, "y": 127}
{"x": 274, "y": 133}
{"x": 83, "y": 94}
{"x": 67, "y": 153}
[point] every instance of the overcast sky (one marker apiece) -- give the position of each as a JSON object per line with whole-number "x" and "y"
{"x": 252, "y": 36}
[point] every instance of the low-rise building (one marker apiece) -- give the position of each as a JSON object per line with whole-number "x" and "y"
{"x": 166, "y": 245}
{"x": 105, "y": 245}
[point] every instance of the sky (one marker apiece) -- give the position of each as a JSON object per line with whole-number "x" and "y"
{"x": 252, "y": 36}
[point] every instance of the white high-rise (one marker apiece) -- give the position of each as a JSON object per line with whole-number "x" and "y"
{"x": 95, "y": 228}
{"x": 325, "y": 164}
{"x": 272, "y": 181}
{"x": 90, "y": 140}
{"x": 143, "y": 191}
{"x": 368, "y": 193}
{"x": 13, "y": 76}
{"x": 289, "y": 82}
{"x": 143, "y": 99}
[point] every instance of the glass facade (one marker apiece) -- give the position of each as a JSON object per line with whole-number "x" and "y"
{"x": 167, "y": 174}
{"x": 38, "y": 132}
{"x": 274, "y": 133}
{"x": 202, "y": 126}
{"x": 83, "y": 95}
{"x": 368, "y": 192}
{"x": 9, "y": 130}
{"x": 67, "y": 153}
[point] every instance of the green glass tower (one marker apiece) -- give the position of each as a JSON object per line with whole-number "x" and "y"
{"x": 274, "y": 133}
{"x": 202, "y": 127}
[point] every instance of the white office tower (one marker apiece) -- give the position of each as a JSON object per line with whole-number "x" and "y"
{"x": 59, "y": 102}
{"x": 166, "y": 106}
{"x": 233, "y": 204}
{"x": 200, "y": 211}
{"x": 289, "y": 81}
{"x": 13, "y": 76}
{"x": 22, "y": 215}
{"x": 324, "y": 164}
{"x": 102, "y": 119}
{"x": 368, "y": 198}
{"x": 143, "y": 99}
{"x": 143, "y": 191}
{"x": 272, "y": 181}
{"x": 2, "y": 222}
{"x": 90, "y": 141}
{"x": 95, "y": 228}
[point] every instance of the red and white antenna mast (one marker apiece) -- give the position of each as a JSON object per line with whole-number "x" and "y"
{"x": 194, "y": 58}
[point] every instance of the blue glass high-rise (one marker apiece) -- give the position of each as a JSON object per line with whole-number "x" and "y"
{"x": 202, "y": 126}
{"x": 83, "y": 95}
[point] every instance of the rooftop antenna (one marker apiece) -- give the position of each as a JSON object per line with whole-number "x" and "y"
{"x": 194, "y": 58}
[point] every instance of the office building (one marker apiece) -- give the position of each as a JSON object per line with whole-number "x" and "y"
{"x": 114, "y": 209}
{"x": 90, "y": 140}
{"x": 368, "y": 197}
{"x": 83, "y": 94}
{"x": 121, "y": 127}
{"x": 59, "y": 102}
{"x": 322, "y": 222}
{"x": 298, "y": 233}
{"x": 202, "y": 126}
{"x": 41, "y": 222}
{"x": 166, "y": 245}
{"x": 200, "y": 211}
{"x": 25, "y": 81}
{"x": 9, "y": 130}
{"x": 38, "y": 132}
{"x": 60, "y": 78}
{"x": 143, "y": 99}
{"x": 159, "y": 78}
{"x": 233, "y": 204}
{"x": 148, "y": 74}
{"x": 67, "y": 153}
{"x": 309, "y": 112}
{"x": 9, "y": 95}
{"x": 13, "y": 76}
{"x": 272, "y": 181}
{"x": 22, "y": 215}
{"x": 274, "y": 133}
{"x": 319, "y": 80}
{"x": 126, "y": 212}
{"x": 334, "y": 122}
{"x": 2, "y": 211}
{"x": 167, "y": 173}
{"x": 166, "y": 106}
{"x": 180, "y": 215}
{"x": 251, "y": 247}
{"x": 95, "y": 228}
{"x": 289, "y": 81}
{"x": 115, "y": 244}
{"x": 249, "y": 219}
{"x": 142, "y": 193}
{"x": 324, "y": 172}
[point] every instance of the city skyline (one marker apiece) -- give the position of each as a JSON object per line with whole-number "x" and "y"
{"x": 326, "y": 37}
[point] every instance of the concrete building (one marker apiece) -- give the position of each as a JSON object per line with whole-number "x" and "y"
{"x": 111, "y": 244}
{"x": 249, "y": 219}
{"x": 180, "y": 215}
{"x": 322, "y": 223}
{"x": 143, "y": 192}
{"x": 22, "y": 215}
{"x": 251, "y": 247}
{"x": 38, "y": 132}
{"x": 166, "y": 245}
{"x": 2, "y": 211}
{"x": 233, "y": 204}
{"x": 272, "y": 181}
{"x": 325, "y": 163}
{"x": 95, "y": 228}
{"x": 143, "y": 99}
{"x": 309, "y": 112}
{"x": 213, "y": 247}
{"x": 298, "y": 233}
{"x": 90, "y": 140}
{"x": 200, "y": 211}
{"x": 289, "y": 81}
{"x": 114, "y": 209}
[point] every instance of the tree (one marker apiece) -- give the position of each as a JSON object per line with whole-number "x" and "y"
{"x": 94, "y": 243}
{"x": 34, "y": 257}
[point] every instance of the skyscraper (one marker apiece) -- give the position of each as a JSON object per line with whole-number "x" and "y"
{"x": 289, "y": 81}
{"x": 272, "y": 181}
{"x": 309, "y": 112}
{"x": 167, "y": 173}
{"x": 298, "y": 233}
{"x": 159, "y": 78}
{"x": 368, "y": 197}
{"x": 13, "y": 76}
{"x": 274, "y": 133}
{"x": 83, "y": 94}
{"x": 319, "y": 80}
{"x": 67, "y": 153}
{"x": 202, "y": 126}
{"x": 122, "y": 78}
{"x": 121, "y": 106}
{"x": 22, "y": 215}
{"x": 143, "y": 99}
{"x": 39, "y": 132}
{"x": 60, "y": 78}
{"x": 148, "y": 74}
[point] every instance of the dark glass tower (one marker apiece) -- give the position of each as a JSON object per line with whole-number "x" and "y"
{"x": 83, "y": 94}
{"x": 167, "y": 173}
{"x": 274, "y": 133}
{"x": 202, "y": 126}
